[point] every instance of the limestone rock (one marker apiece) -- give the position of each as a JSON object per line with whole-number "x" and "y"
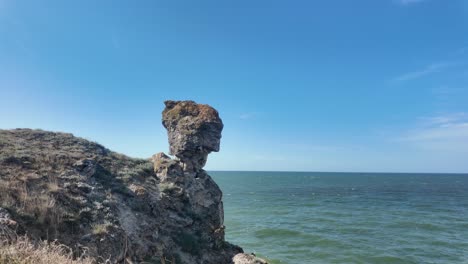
{"x": 194, "y": 131}
{"x": 115, "y": 208}
{"x": 243, "y": 258}
{"x": 167, "y": 169}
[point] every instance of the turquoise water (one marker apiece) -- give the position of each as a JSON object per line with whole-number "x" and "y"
{"x": 291, "y": 217}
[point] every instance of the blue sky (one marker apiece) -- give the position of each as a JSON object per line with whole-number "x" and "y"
{"x": 375, "y": 85}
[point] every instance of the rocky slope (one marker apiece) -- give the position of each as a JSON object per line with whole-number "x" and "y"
{"x": 54, "y": 186}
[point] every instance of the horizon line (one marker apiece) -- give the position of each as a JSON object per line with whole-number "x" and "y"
{"x": 350, "y": 172}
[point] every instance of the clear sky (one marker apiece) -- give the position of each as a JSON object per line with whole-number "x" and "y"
{"x": 375, "y": 85}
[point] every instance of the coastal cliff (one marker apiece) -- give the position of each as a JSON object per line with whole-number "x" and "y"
{"x": 110, "y": 207}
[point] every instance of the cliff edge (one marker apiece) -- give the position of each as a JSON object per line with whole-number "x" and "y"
{"x": 54, "y": 186}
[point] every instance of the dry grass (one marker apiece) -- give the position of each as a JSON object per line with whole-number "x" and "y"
{"x": 31, "y": 164}
{"x": 6, "y": 197}
{"x": 50, "y": 195}
{"x": 100, "y": 229}
{"x": 53, "y": 185}
{"x": 23, "y": 251}
{"x": 41, "y": 206}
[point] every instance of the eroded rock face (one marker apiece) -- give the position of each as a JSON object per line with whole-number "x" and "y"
{"x": 115, "y": 208}
{"x": 194, "y": 131}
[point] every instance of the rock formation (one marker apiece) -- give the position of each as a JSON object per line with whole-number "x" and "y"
{"x": 115, "y": 208}
{"x": 194, "y": 131}
{"x": 242, "y": 258}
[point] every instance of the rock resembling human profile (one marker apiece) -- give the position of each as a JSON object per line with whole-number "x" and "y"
{"x": 54, "y": 186}
{"x": 194, "y": 131}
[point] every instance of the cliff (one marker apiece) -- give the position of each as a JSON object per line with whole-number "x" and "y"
{"x": 105, "y": 205}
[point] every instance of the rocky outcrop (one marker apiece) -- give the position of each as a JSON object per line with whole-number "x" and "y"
{"x": 115, "y": 208}
{"x": 194, "y": 131}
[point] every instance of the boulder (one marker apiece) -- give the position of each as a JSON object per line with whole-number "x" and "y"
{"x": 243, "y": 258}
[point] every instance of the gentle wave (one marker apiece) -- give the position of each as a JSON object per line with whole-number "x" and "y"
{"x": 307, "y": 218}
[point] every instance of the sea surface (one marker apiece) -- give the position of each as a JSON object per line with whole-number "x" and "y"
{"x": 300, "y": 217}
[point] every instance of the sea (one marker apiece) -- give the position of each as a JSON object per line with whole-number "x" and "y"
{"x": 315, "y": 217}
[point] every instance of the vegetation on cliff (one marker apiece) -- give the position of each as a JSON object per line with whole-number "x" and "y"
{"x": 23, "y": 251}
{"x": 113, "y": 208}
